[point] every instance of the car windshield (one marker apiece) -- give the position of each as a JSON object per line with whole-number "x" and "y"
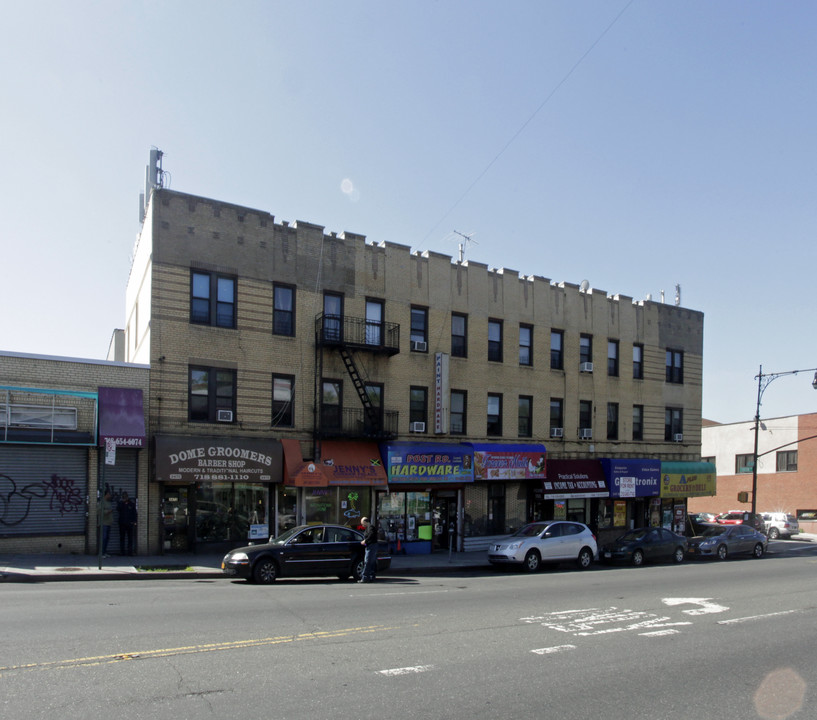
{"x": 714, "y": 531}
{"x": 634, "y": 535}
{"x": 531, "y": 530}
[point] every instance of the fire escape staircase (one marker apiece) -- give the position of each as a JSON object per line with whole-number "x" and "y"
{"x": 372, "y": 413}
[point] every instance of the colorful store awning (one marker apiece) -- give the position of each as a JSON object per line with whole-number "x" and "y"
{"x": 427, "y": 463}
{"x": 574, "y": 479}
{"x": 688, "y": 479}
{"x": 497, "y": 461}
{"x": 632, "y": 478}
{"x": 121, "y": 417}
{"x": 342, "y": 463}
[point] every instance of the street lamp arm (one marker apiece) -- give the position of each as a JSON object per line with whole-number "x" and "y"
{"x": 793, "y": 442}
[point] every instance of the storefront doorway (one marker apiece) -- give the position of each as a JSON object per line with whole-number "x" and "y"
{"x": 175, "y": 519}
{"x": 444, "y": 511}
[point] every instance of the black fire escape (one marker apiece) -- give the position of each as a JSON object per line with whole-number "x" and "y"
{"x": 349, "y": 336}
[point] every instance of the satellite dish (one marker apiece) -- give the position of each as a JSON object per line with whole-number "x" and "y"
{"x": 585, "y": 286}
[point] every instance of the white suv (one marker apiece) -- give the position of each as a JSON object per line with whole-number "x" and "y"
{"x": 779, "y": 524}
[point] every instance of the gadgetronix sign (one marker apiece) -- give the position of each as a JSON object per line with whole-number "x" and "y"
{"x": 181, "y": 459}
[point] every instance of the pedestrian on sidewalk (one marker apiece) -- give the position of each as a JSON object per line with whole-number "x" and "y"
{"x": 370, "y": 543}
{"x": 127, "y": 524}
{"x": 107, "y": 521}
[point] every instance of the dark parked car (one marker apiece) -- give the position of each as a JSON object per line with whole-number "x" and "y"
{"x": 302, "y": 551}
{"x": 649, "y": 543}
{"x": 741, "y": 517}
{"x": 721, "y": 541}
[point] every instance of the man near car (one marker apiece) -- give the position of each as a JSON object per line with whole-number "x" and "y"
{"x": 370, "y": 543}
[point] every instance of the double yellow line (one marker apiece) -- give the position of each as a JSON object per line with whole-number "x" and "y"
{"x": 189, "y": 650}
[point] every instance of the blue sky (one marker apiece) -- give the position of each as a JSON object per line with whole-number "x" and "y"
{"x": 636, "y": 144}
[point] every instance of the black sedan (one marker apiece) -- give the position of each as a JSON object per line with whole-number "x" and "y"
{"x": 649, "y": 543}
{"x": 303, "y": 551}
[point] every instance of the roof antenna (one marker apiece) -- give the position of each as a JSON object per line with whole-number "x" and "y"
{"x": 466, "y": 239}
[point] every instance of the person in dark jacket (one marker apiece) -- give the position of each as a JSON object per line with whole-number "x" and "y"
{"x": 127, "y": 524}
{"x": 370, "y": 543}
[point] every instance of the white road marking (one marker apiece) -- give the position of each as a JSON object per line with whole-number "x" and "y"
{"x": 734, "y": 621}
{"x": 356, "y": 596}
{"x": 659, "y": 633}
{"x": 707, "y": 606}
{"x": 593, "y": 621}
{"x": 552, "y": 650}
{"x": 406, "y": 670}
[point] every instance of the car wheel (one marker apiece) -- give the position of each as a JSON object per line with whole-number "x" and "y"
{"x": 265, "y": 571}
{"x": 532, "y": 561}
{"x": 638, "y": 558}
{"x": 679, "y": 555}
{"x": 774, "y": 533}
{"x": 357, "y": 568}
{"x": 722, "y": 552}
{"x": 758, "y": 551}
{"x": 585, "y": 559}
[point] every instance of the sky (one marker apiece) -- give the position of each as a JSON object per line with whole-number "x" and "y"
{"x": 635, "y": 144}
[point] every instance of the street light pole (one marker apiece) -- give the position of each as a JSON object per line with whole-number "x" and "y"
{"x": 763, "y": 381}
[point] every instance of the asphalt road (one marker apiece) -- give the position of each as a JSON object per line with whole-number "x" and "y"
{"x": 698, "y": 640}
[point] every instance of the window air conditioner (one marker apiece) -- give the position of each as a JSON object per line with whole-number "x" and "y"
{"x": 678, "y": 437}
{"x": 417, "y": 427}
{"x": 586, "y": 367}
{"x": 419, "y": 346}
{"x": 224, "y": 416}
{"x": 585, "y": 433}
{"x": 557, "y": 432}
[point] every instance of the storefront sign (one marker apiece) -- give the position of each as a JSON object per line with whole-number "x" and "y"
{"x": 508, "y": 462}
{"x": 574, "y": 479}
{"x": 208, "y": 459}
{"x": 688, "y": 479}
{"x": 427, "y": 463}
{"x": 121, "y": 417}
{"x": 631, "y": 478}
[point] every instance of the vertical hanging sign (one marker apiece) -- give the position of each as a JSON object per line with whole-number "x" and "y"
{"x": 441, "y": 394}
{"x": 110, "y": 451}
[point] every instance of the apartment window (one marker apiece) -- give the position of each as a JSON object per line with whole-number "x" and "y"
{"x": 212, "y": 299}
{"x": 557, "y": 419}
{"x": 708, "y": 459}
{"x": 418, "y": 405}
{"x": 787, "y": 461}
{"x": 557, "y": 359}
{"x": 585, "y": 417}
{"x": 744, "y": 463}
{"x": 459, "y": 335}
{"x": 612, "y": 421}
{"x": 419, "y": 329}
{"x": 374, "y": 322}
{"x": 210, "y": 390}
{"x": 332, "y": 317}
{"x": 331, "y": 404}
{"x": 675, "y": 366}
{"x": 525, "y": 425}
{"x": 612, "y": 358}
{"x": 374, "y": 392}
{"x": 495, "y": 340}
{"x": 526, "y": 344}
{"x": 586, "y": 349}
{"x": 494, "y": 414}
{"x": 638, "y": 362}
{"x": 283, "y": 393}
{"x": 638, "y": 422}
{"x": 459, "y": 404}
{"x": 673, "y": 423}
{"x": 283, "y": 310}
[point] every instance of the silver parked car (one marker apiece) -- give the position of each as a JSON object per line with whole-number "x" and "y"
{"x": 779, "y": 524}
{"x": 549, "y": 541}
{"x": 721, "y": 541}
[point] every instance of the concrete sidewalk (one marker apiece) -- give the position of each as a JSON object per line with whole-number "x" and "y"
{"x": 50, "y": 567}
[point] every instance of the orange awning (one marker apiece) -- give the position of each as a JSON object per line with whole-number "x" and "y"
{"x": 342, "y": 463}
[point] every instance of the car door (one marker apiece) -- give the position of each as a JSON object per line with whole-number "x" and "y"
{"x": 655, "y": 544}
{"x": 303, "y": 554}
{"x": 572, "y": 541}
{"x": 744, "y": 539}
{"x": 340, "y": 545}
{"x": 550, "y": 542}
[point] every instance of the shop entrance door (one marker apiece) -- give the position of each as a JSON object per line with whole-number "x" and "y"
{"x": 175, "y": 519}
{"x": 445, "y": 522}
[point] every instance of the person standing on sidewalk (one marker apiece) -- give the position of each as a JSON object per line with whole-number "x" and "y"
{"x": 107, "y": 521}
{"x": 370, "y": 543}
{"x": 127, "y": 524}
